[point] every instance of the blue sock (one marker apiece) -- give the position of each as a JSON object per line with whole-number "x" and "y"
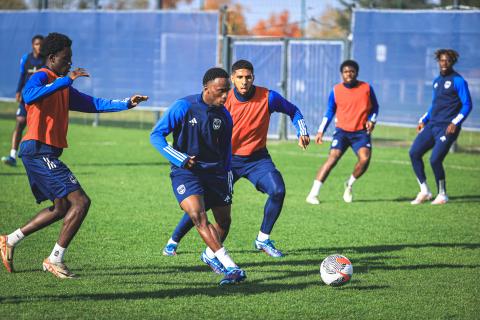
{"x": 273, "y": 185}
{"x": 183, "y": 226}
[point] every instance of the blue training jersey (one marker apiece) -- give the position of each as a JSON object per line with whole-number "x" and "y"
{"x": 198, "y": 130}
{"x": 28, "y": 66}
{"x": 451, "y": 102}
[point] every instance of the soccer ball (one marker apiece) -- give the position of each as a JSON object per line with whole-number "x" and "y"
{"x": 336, "y": 270}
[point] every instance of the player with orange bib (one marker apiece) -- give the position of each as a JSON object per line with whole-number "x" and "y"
{"x": 356, "y": 109}
{"x": 49, "y": 96}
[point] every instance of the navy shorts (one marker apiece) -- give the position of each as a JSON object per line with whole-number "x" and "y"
{"x": 21, "y": 111}
{"x": 356, "y": 139}
{"x": 253, "y": 167}
{"x": 215, "y": 188}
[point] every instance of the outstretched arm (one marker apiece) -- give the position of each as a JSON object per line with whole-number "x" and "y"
{"x": 327, "y": 118}
{"x": 84, "y": 103}
{"x": 172, "y": 118}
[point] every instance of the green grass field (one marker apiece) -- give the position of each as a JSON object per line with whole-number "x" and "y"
{"x": 409, "y": 262}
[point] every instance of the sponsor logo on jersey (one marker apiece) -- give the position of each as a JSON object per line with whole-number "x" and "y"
{"x": 217, "y": 123}
{"x": 181, "y": 189}
{"x": 193, "y": 122}
{"x": 447, "y": 84}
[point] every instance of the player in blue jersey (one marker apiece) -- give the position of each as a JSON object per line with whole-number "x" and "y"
{"x": 201, "y": 162}
{"x": 29, "y": 63}
{"x": 251, "y": 107}
{"x": 49, "y": 96}
{"x": 440, "y": 126}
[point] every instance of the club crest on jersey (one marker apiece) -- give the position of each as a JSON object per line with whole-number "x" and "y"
{"x": 447, "y": 84}
{"x": 217, "y": 123}
{"x": 334, "y": 143}
{"x": 181, "y": 189}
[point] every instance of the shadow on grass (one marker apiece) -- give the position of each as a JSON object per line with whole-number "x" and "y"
{"x": 12, "y": 173}
{"x": 121, "y": 164}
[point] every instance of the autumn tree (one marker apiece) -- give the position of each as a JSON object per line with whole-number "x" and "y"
{"x": 277, "y": 25}
{"x": 12, "y": 5}
{"x": 235, "y": 15}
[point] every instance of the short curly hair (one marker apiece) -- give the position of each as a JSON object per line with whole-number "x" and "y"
{"x": 55, "y": 42}
{"x": 242, "y": 64}
{"x": 452, "y": 54}
{"x": 350, "y": 63}
{"x": 214, "y": 73}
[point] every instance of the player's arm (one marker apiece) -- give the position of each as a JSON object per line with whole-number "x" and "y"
{"x": 84, "y": 103}
{"x": 461, "y": 86}
{"x": 426, "y": 116}
{"x": 327, "y": 118}
{"x": 172, "y": 118}
{"x": 37, "y": 87}
{"x": 372, "y": 116}
{"x": 277, "y": 103}
{"x": 21, "y": 79}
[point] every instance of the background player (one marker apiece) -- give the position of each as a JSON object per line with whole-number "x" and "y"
{"x": 440, "y": 126}
{"x": 201, "y": 160}
{"x": 356, "y": 109}
{"x": 29, "y": 64}
{"x": 46, "y": 95}
{"x": 251, "y": 107}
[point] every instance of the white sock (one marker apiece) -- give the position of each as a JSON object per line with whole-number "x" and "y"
{"x": 424, "y": 187}
{"x": 13, "y": 153}
{"x": 441, "y": 187}
{"x": 15, "y": 237}
{"x": 262, "y": 236}
{"x": 317, "y": 184}
{"x": 351, "y": 180}
{"x": 170, "y": 241}
{"x": 57, "y": 254}
{"x": 209, "y": 252}
{"x": 225, "y": 259}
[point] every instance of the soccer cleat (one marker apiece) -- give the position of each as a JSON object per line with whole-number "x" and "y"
{"x": 7, "y": 253}
{"x": 58, "y": 269}
{"x": 214, "y": 263}
{"x": 233, "y": 276}
{"x": 440, "y": 199}
{"x": 421, "y": 198}
{"x": 268, "y": 247}
{"x": 9, "y": 161}
{"x": 348, "y": 194}
{"x": 312, "y": 199}
{"x": 170, "y": 249}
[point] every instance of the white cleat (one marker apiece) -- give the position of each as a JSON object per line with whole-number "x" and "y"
{"x": 348, "y": 194}
{"x": 440, "y": 199}
{"x": 421, "y": 198}
{"x": 312, "y": 200}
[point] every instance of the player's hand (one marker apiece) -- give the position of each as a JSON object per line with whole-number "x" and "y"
{"x": 370, "y": 126}
{"x": 18, "y": 96}
{"x": 451, "y": 129}
{"x": 136, "y": 99}
{"x": 420, "y": 126}
{"x": 319, "y": 138}
{"x": 190, "y": 163}
{"x": 303, "y": 142}
{"x": 78, "y": 72}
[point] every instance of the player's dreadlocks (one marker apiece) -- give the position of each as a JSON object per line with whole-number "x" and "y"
{"x": 55, "y": 42}
{"x": 214, "y": 73}
{"x": 452, "y": 54}
{"x": 242, "y": 64}
{"x": 350, "y": 63}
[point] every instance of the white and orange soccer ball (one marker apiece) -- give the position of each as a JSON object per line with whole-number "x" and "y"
{"x": 336, "y": 270}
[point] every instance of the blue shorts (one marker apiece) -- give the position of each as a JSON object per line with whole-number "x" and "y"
{"x": 252, "y": 167}
{"x": 356, "y": 139}
{"x": 21, "y": 111}
{"x": 215, "y": 188}
{"x": 49, "y": 177}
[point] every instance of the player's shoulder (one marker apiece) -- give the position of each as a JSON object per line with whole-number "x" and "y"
{"x": 457, "y": 78}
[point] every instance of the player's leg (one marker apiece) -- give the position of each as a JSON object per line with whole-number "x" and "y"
{"x": 440, "y": 150}
{"x": 422, "y": 143}
{"x": 334, "y": 156}
{"x": 362, "y": 146}
{"x": 20, "y": 123}
{"x": 272, "y": 184}
{"x": 183, "y": 227}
